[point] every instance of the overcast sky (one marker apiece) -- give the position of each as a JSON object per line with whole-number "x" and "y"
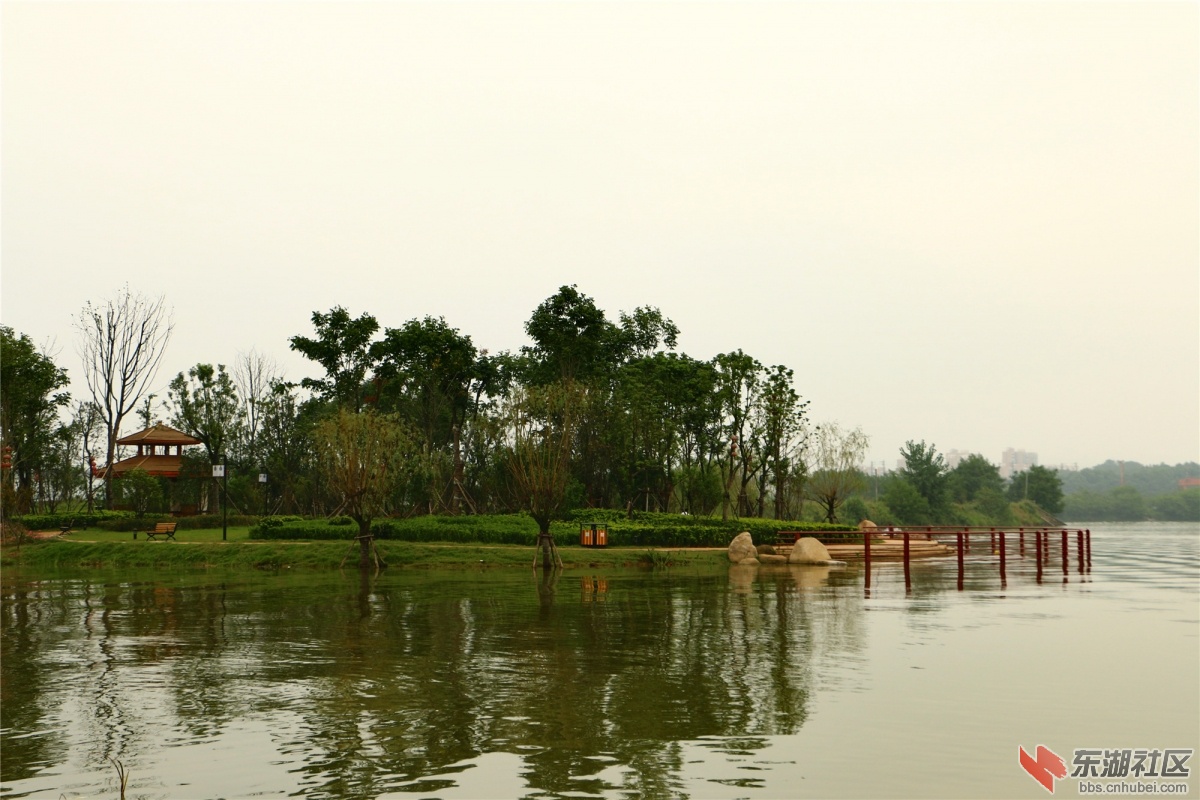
{"x": 976, "y": 224}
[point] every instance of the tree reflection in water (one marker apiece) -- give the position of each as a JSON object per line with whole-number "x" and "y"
{"x": 399, "y": 681}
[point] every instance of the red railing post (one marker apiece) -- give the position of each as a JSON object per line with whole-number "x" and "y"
{"x": 907, "y": 574}
{"x": 1037, "y": 544}
{"x": 1079, "y": 548}
{"x": 1087, "y": 535}
{"x": 1065, "y": 557}
{"x": 960, "y": 560}
{"x": 1022, "y": 534}
{"x": 1003, "y": 574}
{"x": 867, "y": 560}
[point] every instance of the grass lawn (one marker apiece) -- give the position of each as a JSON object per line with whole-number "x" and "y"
{"x": 203, "y": 548}
{"x": 238, "y": 534}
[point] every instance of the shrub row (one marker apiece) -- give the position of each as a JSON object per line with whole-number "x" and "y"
{"x": 644, "y": 530}
{"x": 78, "y": 519}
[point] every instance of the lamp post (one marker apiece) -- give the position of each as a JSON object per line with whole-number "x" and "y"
{"x": 262, "y": 479}
{"x": 219, "y": 471}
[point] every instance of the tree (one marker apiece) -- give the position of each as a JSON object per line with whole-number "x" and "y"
{"x": 122, "y": 342}
{"x": 836, "y": 472}
{"x": 973, "y": 475}
{"x": 542, "y": 423}
{"x": 1040, "y": 485}
{"x": 925, "y": 469}
{"x": 908, "y": 504}
{"x": 366, "y": 456}
{"x": 29, "y": 403}
{"x": 739, "y": 382}
{"x": 205, "y": 405}
{"x": 343, "y": 348}
{"x": 141, "y": 489}
{"x": 89, "y": 426}
{"x": 254, "y": 375}
{"x": 572, "y": 338}
{"x": 781, "y": 428}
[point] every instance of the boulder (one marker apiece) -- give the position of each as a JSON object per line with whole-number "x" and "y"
{"x": 766, "y": 549}
{"x": 742, "y": 547}
{"x": 808, "y": 551}
{"x": 749, "y": 562}
{"x": 771, "y": 558}
{"x": 866, "y": 525}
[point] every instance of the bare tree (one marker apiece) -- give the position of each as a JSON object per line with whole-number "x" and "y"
{"x": 121, "y": 344}
{"x": 837, "y": 466}
{"x": 254, "y": 375}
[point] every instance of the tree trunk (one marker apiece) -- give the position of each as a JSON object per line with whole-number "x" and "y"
{"x": 365, "y": 540}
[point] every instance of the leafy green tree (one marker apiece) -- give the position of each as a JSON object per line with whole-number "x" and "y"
{"x": 781, "y": 436}
{"x": 994, "y": 504}
{"x": 343, "y": 348}
{"x": 141, "y": 490}
{"x": 427, "y": 368}
{"x": 29, "y": 404}
{"x": 205, "y": 405}
{"x": 836, "y": 466}
{"x": 573, "y": 339}
{"x": 925, "y": 469}
{"x": 972, "y": 475}
{"x": 1040, "y": 485}
{"x": 739, "y": 383}
{"x": 905, "y": 501}
{"x": 1181, "y": 506}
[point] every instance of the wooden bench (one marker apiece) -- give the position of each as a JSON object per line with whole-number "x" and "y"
{"x": 166, "y": 529}
{"x": 789, "y": 537}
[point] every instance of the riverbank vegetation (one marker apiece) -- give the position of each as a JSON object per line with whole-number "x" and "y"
{"x": 597, "y": 416}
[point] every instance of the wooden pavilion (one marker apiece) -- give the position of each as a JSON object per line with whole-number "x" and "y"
{"x": 159, "y": 453}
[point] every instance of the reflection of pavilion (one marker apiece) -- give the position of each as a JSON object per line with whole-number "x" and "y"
{"x": 159, "y": 453}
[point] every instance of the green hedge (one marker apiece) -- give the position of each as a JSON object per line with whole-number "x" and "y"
{"x": 78, "y": 519}
{"x": 643, "y": 530}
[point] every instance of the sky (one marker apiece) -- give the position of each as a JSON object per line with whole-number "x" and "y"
{"x": 973, "y": 224}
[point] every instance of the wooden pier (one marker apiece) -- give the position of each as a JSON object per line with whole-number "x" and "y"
{"x": 1051, "y": 548}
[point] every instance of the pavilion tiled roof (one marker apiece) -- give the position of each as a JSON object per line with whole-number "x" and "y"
{"x": 159, "y": 434}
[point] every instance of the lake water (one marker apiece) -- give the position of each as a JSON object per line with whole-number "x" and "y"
{"x": 668, "y": 683}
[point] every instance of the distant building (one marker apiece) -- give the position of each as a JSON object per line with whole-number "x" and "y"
{"x": 1014, "y": 461}
{"x": 1188, "y": 483}
{"x": 956, "y": 457}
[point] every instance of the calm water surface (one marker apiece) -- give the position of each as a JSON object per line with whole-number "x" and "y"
{"x": 672, "y": 683}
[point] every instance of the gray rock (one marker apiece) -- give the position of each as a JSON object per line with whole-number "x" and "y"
{"x": 749, "y": 562}
{"x": 771, "y": 558}
{"x": 742, "y": 547}
{"x": 808, "y": 551}
{"x": 766, "y": 549}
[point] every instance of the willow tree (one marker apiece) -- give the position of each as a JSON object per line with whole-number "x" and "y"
{"x": 542, "y": 424}
{"x": 367, "y": 457}
{"x": 837, "y": 466}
